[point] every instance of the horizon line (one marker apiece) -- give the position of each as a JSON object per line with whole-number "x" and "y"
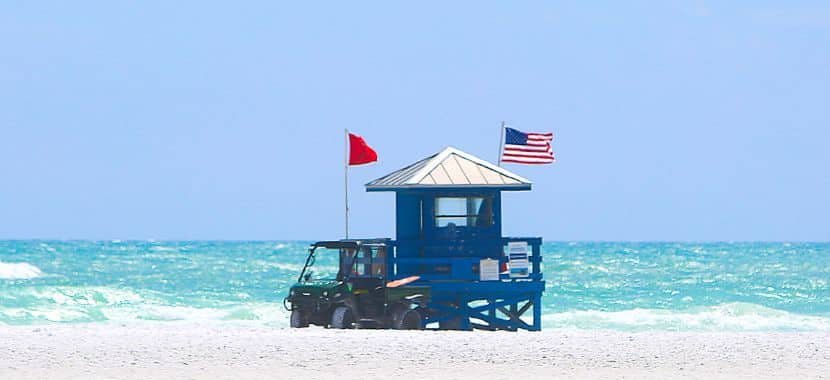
{"x": 153, "y": 240}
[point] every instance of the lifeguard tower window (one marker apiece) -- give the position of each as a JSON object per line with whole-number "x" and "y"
{"x": 463, "y": 211}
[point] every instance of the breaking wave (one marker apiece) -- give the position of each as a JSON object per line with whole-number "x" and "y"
{"x": 19, "y": 271}
{"x": 736, "y": 316}
{"x": 105, "y": 304}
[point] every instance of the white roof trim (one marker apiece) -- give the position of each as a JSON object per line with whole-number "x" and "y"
{"x": 416, "y": 178}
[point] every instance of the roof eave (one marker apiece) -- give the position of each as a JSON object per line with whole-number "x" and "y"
{"x": 504, "y": 187}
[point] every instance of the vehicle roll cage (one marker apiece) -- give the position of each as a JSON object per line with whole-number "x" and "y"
{"x": 309, "y": 261}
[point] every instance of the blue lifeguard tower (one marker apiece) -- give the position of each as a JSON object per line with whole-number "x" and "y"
{"x": 449, "y": 233}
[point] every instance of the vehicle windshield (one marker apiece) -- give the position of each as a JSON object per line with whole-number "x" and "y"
{"x": 369, "y": 263}
{"x": 325, "y": 264}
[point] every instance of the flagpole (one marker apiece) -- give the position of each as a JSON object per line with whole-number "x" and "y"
{"x": 501, "y": 143}
{"x": 346, "y": 179}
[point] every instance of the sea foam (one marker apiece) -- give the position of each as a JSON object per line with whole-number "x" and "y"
{"x": 736, "y": 316}
{"x": 19, "y": 271}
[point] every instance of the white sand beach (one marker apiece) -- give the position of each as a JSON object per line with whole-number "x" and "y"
{"x": 219, "y": 351}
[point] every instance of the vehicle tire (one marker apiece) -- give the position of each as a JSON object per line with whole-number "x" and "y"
{"x": 409, "y": 319}
{"x": 342, "y": 318}
{"x": 299, "y": 319}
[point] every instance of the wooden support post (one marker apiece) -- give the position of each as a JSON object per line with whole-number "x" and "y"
{"x": 537, "y": 268}
{"x": 491, "y": 312}
{"x": 537, "y": 313}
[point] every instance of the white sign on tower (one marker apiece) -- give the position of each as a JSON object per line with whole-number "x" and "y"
{"x": 517, "y": 258}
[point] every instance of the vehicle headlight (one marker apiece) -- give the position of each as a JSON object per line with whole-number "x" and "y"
{"x": 291, "y": 293}
{"x": 325, "y": 293}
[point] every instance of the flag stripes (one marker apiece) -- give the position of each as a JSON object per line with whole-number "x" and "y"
{"x": 527, "y": 148}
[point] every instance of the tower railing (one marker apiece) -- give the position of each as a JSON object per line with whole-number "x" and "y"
{"x": 460, "y": 260}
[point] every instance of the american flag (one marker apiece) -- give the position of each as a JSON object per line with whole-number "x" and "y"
{"x": 527, "y": 148}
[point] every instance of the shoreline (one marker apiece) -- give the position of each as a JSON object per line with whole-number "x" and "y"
{"x": 237, "y": 351}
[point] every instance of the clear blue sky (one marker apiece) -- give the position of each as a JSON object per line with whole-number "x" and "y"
{"x": 674, "y": 120}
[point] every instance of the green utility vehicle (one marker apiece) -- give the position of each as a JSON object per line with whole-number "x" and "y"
{"x": 359, "y": 295}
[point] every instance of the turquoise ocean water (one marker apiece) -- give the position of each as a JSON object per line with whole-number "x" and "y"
{"x": 620, "y": 286}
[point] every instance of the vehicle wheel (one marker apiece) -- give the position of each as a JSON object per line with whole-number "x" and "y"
{"x": 342, "y": 318}
{"x": 409, "y": 319}
{"x": 299, "y": 319}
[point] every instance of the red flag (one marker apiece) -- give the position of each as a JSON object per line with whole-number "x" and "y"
{"x": 359, "y": 152}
